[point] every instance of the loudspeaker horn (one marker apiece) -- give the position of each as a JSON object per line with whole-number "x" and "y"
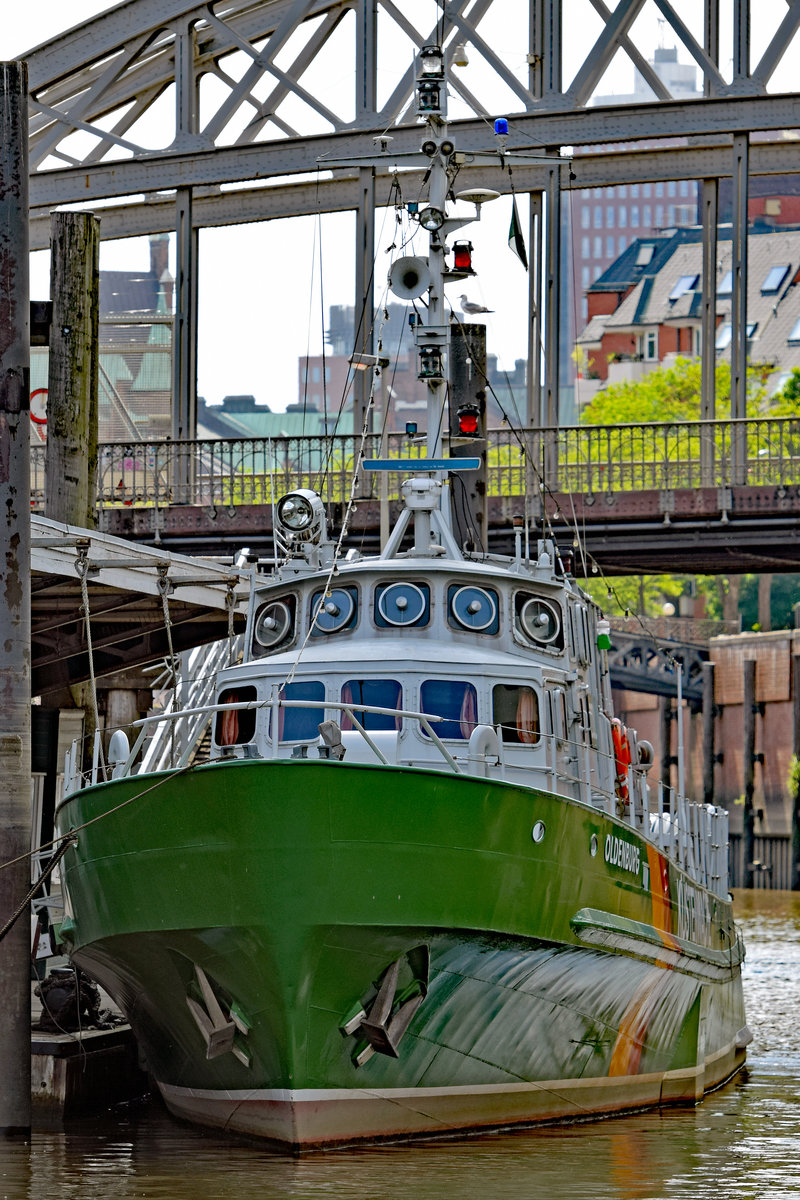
{"x": 409, "y": 278}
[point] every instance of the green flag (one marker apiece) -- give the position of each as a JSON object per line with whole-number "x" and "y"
{"x": 515, "y": 239}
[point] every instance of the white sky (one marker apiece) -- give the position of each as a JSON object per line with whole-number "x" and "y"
{"x": 261, "y": 306}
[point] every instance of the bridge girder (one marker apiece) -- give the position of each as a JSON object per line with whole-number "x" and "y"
{"x": 161, "y": 103}
{"x": 98, "y": 126}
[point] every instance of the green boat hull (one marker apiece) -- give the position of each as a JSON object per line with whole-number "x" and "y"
{"x": 321, "y": 953}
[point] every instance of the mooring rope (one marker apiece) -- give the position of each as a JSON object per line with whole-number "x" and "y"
{"x": 68, "y": 841}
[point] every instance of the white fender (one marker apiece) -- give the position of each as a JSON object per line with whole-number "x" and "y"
{"x": 483, "y": 744}
{"x": 118, "y": 751}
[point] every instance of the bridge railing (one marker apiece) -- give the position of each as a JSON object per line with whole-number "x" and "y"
{"x": 587, "y": 459}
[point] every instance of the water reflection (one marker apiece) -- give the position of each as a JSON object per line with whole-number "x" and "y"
{"x": 741, "y": 1142}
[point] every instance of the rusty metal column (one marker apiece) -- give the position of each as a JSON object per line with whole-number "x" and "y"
{"x": 533, "y": 410}
{"x": 739, "y": 307}
{"x": 544, "y": 38}
{"x": 740, "y": 172}
{"x": 552, "y": 286}
{"x": 708, "y": 370}
{"x": 184, "y": 350}
{"x": 710, "y": 39}
{"x": 709, "y": 716}
{"x": 749, "y": 709}
{"x": 184, "y": 335}
{"x": 15, "y": 629}
{"x": 366, "y": 104}
{"x": 364, "y": 331}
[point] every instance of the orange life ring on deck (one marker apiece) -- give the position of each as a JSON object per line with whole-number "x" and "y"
{"x": 622, "y": 757}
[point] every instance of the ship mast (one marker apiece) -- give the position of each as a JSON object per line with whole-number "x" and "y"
{"x": 433, "y": 338}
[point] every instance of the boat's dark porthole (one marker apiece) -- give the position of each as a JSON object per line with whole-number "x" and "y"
{"x": 593, "y": 845}
{"x": 336, "y": 612}
{"x": 273, "y": 624}
{"x": 538, "y": 832}
{"x": 473, "y": 608}
{"x": 402, "y": 604}
{"x": 539, "y": 621}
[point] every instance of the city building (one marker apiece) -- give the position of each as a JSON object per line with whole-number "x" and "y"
{"x": 604, "y": 221}
{"x": 135, "y": 351}
{"x": 645, "y": 310}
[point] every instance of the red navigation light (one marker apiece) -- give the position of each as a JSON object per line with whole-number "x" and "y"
{"x": 462, "y": 256}
{"x": 468, "y": 415}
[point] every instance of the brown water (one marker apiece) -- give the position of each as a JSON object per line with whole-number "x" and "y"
{"x": 743, "y": 1142}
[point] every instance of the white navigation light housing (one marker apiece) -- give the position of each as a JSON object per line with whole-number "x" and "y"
{"x": 302, "y": 514}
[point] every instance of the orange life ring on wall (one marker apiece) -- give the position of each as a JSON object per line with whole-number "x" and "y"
{"x": 622, "y": 757}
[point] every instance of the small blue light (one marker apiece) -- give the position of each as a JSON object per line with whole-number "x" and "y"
{"x": 501, "y": 127}
{"x": 413, "y": 206}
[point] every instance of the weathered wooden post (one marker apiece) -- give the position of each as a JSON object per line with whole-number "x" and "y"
{"x": 749, "y": 764}
{"x": 15, "y": 631}
{"x": 71, "y": 456}
{"x": 709, "y": 713}
{"x": 468, "y": 407}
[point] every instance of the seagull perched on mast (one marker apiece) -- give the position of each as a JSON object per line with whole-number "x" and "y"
{"x": 471, "y": 308}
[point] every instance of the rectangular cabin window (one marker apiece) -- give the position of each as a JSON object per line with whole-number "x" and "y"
{"x": 454, "y": 700}
{"x": 301, "y": 724}
{"x": 516, "y": 710}
{"x": 380, "y": 693}
{"x": 237, "y": 725}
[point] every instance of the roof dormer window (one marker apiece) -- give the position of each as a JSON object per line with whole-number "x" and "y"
{"x": 774, "y": 280}
{"x": 686, "y": 283}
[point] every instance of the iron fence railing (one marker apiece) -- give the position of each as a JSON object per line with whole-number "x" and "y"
{"x": 586, "y": 459}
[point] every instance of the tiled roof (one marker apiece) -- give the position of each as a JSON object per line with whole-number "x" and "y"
{"x": 128, "y": 292}
{"x": 669, "y": 292}
{"x": 645, "y": 256}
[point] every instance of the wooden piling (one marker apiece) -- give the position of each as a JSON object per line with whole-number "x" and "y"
{"x": 71, "y": 455}
{"x": 15, "y": 630}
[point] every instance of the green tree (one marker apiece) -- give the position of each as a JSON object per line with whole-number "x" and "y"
{"x": 787, "y": 402}
{"x": 673, "y": 394}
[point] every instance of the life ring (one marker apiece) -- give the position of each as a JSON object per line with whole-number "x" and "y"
{"x": 622, "y": 758}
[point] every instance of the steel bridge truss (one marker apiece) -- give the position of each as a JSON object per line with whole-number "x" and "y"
{"x": 155, "y": 106}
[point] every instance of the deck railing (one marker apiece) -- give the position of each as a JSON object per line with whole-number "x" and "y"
{"x": 586, "y": 459}
{"x": 694, "y": 835}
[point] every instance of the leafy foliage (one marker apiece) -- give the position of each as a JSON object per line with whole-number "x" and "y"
{"x": 787, "y": 401}
{"x": 672, "y": 394}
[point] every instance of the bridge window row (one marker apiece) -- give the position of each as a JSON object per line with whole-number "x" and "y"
{"x": 514, "y": 709}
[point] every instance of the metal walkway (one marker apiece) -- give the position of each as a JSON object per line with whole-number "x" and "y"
{"x": 630, "y": 499}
